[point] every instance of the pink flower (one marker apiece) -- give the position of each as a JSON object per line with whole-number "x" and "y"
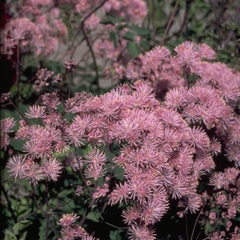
{"x": 221, "y": 199}
{"x": 121, "y": 193}
{"x": 198, "y": 138}
{"x": 33, "y": 171}
{"x": 73, "y": 137}
{"x": 176, "y": 98}
{"x": 92, "y": 22}
{"x": 188, "y": 55}
{"x": 212, "y": 215}
{"x": 95, "y": 157}
{"x": 155, "y": 208}
{"x": 131, "y": 215}
{"x": 50, "y": 100}
{"x": 52, "y": 168}
{"x": 95, "y": 171}
{"x": 206, "y": 52}
{"x": 37, "y": 149}
{"x": 6, "y": 125}
{"x": 179, "y": 187}
{"x": 194, "y": 202}
{"x": 218, "y": 181}
{"x": 36, "y": 112}
{"x": 215, "y": 146}
{"x": 153, "y": 59}
{"x": 16, "y": 166}
{"x": 141, "y": 232}
{"x": 68, "y": 219}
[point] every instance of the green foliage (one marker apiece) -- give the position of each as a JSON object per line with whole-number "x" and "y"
{"x": 93, "y": 216}
{"x": 17, "y": 232}
{"x": 203, "y": 23}
{"x": 133, "y": 49}
{"x": 115, "y": 235}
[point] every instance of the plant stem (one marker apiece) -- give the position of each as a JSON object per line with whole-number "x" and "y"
{"x": 47, "y": 212}
{"x": 11, "y": 102}
{"x": 8, "y": 203}
{"x": 153, "y": 24}
{"x": 40, "y": 208}
{"x": 86, "y": 213}
{"x": 196, "y": 221}
{"x": 169, "y": 22}
{"x": 89, "y": 44}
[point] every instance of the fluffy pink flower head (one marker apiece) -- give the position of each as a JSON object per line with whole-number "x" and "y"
{"x": 68, "y": 219}
{"x": 187, "y": 55}
{"x": 5, "y": 126}
{"x": 52, "y": 168}
{"x": 36, "y": 112}
{"x": 16, "y": 166}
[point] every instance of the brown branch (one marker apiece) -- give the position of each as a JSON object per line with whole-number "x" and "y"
{"x": 89, "y": 44}
{"x": 153, "y": 23}
{"x": 170, "y": 21}
{"x": 184, "y": 18}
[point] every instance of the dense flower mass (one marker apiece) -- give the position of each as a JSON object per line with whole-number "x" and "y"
{"x": 164, "y": 147}
{"x": 40, "y": 26}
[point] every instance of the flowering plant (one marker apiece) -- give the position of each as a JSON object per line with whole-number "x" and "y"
{"x": 137, "y": 147}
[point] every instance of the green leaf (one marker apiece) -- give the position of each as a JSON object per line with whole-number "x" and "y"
{"x": 118, "y": 173}
{"x": 17, "y": 144}
{"x": 140, "y": 31}
{"x": 145, "y": 45}
{"x": 9, "y": 235}
{"x": 20, "y": 226}
{"x": 129, "y": 36}
{"x": 133, "y": 49}
{"x": 113, "y": 38}
{"x": 23, "y": 236}
{"x": 208, "y": 228}
{"x": 93, "y": 216}
{"x": 120, "y": 26}
{"x": 42, "y": 230}
{"x": 115, "y": 235}
{"x": 111, "y": 20}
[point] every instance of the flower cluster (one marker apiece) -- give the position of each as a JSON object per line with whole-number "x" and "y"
{"x": 164, "y": 148}
{"x": 40, "y": 27}
{"x": 72, "y": 231}
{"x": 6, "y": 125}
{"x": 45, "y": 78}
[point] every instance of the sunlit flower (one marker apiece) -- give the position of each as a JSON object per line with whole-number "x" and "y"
{"x": 141, "y": 233}
{"x": 16, "y": 166}
{"x": 96, "y": 157}
{"x": 68, "y": 219}
{"x": 36, "y": 112}
{"x": 95, "y": 171}
{"x": 52, "y": 168}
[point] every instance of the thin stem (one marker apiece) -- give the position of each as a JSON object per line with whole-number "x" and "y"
{"x": 237, "y": 17}
{"x": 86, "y": 213}
{"x": 62, "y": 205}
{"x": 17, "y": 71}
{"x": 186, "y": 226}
{"x": 89, "y": 44}
{"x": 35, "y": 200}
{"x": 47, "y": 206}
{"x": 153, "y": 23}
{"x": 196, "y": 221}
{"x": 40, "y": 208}
{"x": 18, "y": 111}
{"x": 8, "y": 203}
{"x": 169, "y": 22}
{"x": 70, "y": 83}
{"x": 184, "y": 19}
